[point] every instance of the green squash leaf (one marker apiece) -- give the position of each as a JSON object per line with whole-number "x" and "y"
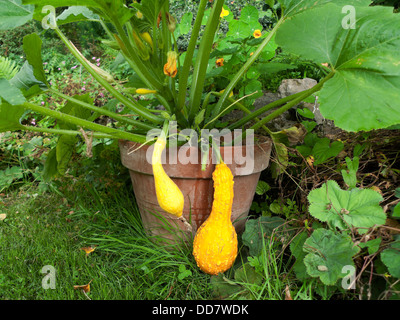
{"x": 356, "y": 208}
{"x": 10, "y": 117}
{"x": 65, "y": 3}
{"x": 324, "y": 149}
{"x": 13, "y": 14}
{"x": 363, "y": 93}
{"x": 327, "y": 254}
{"x": 26, "y": 81}
{"x": 76, "y": 13}
{"x": 32, "y": 45}
{"x": 293, "y": 7}
{"x": 10, "y": 93}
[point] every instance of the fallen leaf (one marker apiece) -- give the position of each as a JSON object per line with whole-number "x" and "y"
{"x": 85, "y": 287}
{"x": 288, "y": 296}
{"x": 2, "y": 216}
{"x": 88, "y": 250}
{"x": 310, "y": 161}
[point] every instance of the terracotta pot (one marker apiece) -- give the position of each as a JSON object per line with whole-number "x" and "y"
{"x": 195, "y": 184}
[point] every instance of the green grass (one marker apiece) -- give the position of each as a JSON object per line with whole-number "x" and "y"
{"x": 49, "y": 229}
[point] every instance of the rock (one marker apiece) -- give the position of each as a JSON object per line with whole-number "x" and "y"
{"x": 293, "y": 86}
{"x": 289, "y": 118}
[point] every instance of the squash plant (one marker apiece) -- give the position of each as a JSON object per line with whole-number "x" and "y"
{"x": 358, "y": 47}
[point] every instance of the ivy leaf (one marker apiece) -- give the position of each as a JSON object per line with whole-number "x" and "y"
{"x": 366, "y": 61}
{"x": 324, "y": 149}
{"x": 327, "y": 254}
{"x": 356, "y": 208}
{"x": 372, "y": 245}
{"x": 262, "y": 187}
{"x": 391, "y": 257}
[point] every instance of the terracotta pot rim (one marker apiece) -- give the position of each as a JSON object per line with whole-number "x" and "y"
{"x": 138, "y": 162}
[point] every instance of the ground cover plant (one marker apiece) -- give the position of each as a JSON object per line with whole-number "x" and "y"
{"x": 328, "y": 201}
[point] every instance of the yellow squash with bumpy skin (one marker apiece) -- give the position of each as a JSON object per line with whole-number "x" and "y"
{"x": 169, "y": 196}
{"x": 215, "y": 245}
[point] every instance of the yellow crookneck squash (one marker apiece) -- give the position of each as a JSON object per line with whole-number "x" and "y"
{"x": 169, "y": 196}
{"x": 215, "y": 245}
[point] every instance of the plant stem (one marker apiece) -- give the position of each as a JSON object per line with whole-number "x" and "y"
{"x": 202, "y": 59}
{"x": 141, "y": 111}
{"x": 103, "y": 111}
{"x": 246, "y": 66}
{"x": 137, "y": 65}
{"x": 260, "y": 111}
{"x": 96, "y": 135}
{"x": 117, "y": 134}
{"x": 292, "y": 103}
{"x": 184, "y": 74}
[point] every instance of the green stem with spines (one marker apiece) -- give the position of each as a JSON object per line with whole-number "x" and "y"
{"x": 141, "y": 111}
{"x": 184, "y": 74}
{"x": 293, "y": 103}
{"x": 201, "y": 63}
{"x": 102, "y": 111}
{"x": 117, "y": 134}
{"x": 236, "y": 78}
{"x": 96, "y": 135}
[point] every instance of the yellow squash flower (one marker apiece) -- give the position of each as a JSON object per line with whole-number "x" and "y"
{"x": 170, "y": 69}
{"x": 257, "y": 33}
{"x": 224, "y": 13}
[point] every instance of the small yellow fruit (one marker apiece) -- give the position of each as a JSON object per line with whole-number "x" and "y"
{"x": 215, "y": 245}
{"x": 169, "y": 196}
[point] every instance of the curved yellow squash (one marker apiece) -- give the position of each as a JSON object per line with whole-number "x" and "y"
{"x": 215, "y": 245}
{"x": 169, "y": 196}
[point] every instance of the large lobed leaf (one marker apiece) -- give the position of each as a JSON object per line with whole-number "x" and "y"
{"x": 364, "y": 92}
{"x": 292, "y": 7}
{"x": 327, "y": 254}
{"x": 355, "y": 208}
